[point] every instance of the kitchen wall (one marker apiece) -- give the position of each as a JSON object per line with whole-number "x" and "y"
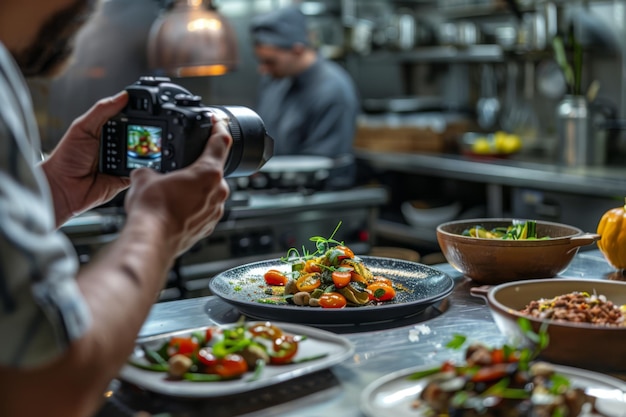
{"x": 111, "y": 53}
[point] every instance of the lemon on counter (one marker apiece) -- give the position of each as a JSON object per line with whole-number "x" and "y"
{"x": 507, "y": 142}
{"x": 497, "y": 143}
{"x": 482, "y": 146}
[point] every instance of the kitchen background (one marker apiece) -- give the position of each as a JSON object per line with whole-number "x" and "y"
{"x": 422, "y": 68}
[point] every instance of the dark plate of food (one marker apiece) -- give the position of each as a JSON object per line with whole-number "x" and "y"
{"x": 417, "y": 287}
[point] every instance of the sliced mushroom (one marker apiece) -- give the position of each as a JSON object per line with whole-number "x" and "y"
{"x": 301, "y": 298}
{"x": 178, "y": 365}
{"x": 290, "y": 287}
{"x": 252, "y": 353}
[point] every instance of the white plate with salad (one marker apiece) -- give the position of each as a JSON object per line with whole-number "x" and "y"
{"x": 413, "y": 392}
{"x": 213, "y": 369}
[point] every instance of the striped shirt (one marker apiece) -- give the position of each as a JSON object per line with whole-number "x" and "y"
{"x": 41, "y": 307}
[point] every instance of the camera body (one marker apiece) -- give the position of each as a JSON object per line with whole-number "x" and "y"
{"x": 165, "y": 127}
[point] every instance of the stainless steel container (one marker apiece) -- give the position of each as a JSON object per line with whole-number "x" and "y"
{"x": 575, "y": 146}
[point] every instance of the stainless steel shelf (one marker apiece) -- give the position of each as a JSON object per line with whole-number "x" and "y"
{"x": 446, "y": 54}
{"x": 470, "y": 53}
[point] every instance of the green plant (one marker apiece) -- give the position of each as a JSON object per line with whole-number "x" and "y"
{"x": 571, "y": 71}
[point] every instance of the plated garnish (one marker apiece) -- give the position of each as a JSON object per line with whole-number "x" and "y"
{"x": 502, "y": 381}
{"x": 330, "y": 277}
{"x": 317, "y": 350}
{"x": 218, "y": 354}
{"x": 578, "y": 307}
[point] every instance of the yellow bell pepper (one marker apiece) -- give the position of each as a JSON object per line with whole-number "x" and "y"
{"x": 612, "y": 231}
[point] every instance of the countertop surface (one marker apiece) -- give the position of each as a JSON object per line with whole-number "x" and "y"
{"x": 380, "y": 349}
{"x": 602, "y": 181}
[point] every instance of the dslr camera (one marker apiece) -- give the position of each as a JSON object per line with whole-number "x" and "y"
{"x": 165, "y": 127}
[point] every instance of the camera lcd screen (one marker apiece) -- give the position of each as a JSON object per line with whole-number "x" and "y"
{"x": 143, "y": 146}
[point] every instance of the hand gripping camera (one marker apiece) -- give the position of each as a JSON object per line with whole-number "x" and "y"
{"x": 165, "y": 127}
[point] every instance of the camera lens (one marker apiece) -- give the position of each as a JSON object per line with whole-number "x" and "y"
{"x": 252, "y": 146}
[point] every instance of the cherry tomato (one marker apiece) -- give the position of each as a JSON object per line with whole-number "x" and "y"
{"x": 311, "y": 265}
{"x": 448, "y": 366}
{"x": 182, "y": 345}
{"x": 230, "y": 366}
{"x": 266, "y": 330}
{"x": 338, "y": 254}
{"x": 275, "y": 277}
{"x": 384, "y": 280}
{"x": 379, "y": 291}
{"x": 341, "y": 278}
{"x": 308, "y": 282}
{"x": 499, "y": 356}
{"x": 347, "y": 252}
{"x": 491, "y": 373}
{"x": 208, "y": 335}
{"x": 206, "y": 357}
{"x": 356, "y": 277}
{"x": 285, "y": 348}
{"x": 332, "y": 300}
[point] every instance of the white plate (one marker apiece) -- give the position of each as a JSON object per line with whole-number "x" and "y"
{"x": 393, "y": 394}
{"x": 336, "y": 348}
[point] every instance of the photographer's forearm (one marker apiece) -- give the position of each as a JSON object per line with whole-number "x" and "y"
{"x": 120, "y": 285}
{"x": 129, "y": 273}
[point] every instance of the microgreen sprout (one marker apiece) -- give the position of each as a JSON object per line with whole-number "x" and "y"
{"x": 322, "y": 244}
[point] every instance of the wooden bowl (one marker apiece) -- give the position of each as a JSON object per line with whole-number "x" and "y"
{"x": 494, "y": 261}
{"x": 582, "y": 345}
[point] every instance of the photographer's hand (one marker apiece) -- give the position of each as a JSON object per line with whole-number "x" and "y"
{"x": 166, "y": 213}
{"x": 72, "y": 168}
{"x": 187, "y": 203}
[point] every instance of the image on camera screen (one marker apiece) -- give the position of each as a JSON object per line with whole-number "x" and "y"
{"x": 143, "y": 147}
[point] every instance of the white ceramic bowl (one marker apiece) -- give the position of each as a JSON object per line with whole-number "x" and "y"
{"x": 421, "y": 214}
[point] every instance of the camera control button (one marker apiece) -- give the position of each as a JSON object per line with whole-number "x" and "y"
{"x": 170, "y": 136}
{"x": 167, "y": 152}
{"x": 187, "y": 100}
{"x": 152, "y": 81}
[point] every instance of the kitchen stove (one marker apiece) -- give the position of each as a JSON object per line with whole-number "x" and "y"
{"x": 257, "y": 225}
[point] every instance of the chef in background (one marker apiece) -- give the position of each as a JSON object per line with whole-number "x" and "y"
{"x": 308, "y": 103}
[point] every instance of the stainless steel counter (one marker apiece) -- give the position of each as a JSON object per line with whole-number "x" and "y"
{"x": 381, "y": 348}
{"x": 602, "y": 181}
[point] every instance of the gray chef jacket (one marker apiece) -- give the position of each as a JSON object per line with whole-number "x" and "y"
{"x": 313, "y": 113}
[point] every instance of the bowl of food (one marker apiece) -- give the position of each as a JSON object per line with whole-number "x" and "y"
{"x": 584, "y": 319}
{"x": 488, "y": 251}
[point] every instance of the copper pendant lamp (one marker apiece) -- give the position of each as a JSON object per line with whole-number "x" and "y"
{"x": 192, "y": 40}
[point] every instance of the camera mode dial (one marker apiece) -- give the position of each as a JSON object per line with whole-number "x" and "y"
{"x": 152, "y": 81}
{"x": 188, "y": 100}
